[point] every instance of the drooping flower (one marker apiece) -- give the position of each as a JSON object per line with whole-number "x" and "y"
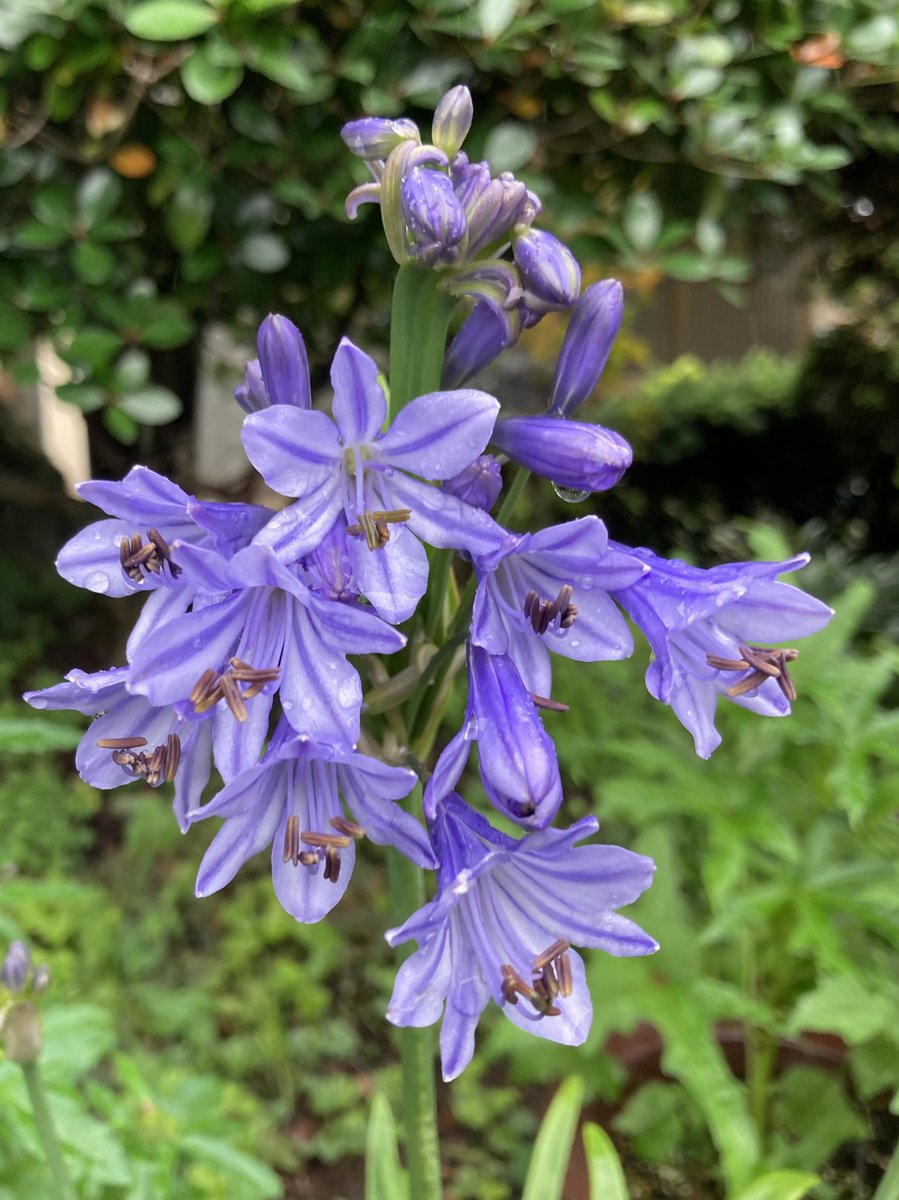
{"x": 516, "y": 756}
{"x": 711, "y": 633}
{"x": 131, "y": 739}
{"x": 502, "y": 927}
{"x": 348, "y": 466}
{"x": 294, "y": 799}
{"x": 573, "y": 454}
{"x": 550, "y": 591}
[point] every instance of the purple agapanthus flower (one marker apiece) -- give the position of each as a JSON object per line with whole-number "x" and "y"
{"x": 479, "y": 484}
{"x": 265, "y": 623}
{"x": 589, "y": 338}
{"x": 550, "y": 591}
{"x": 573, "y": 454}
{"x": 131, "y": 739}
{"x": 711, "y": 633}
{"x": 294, "y": 800}
{"x": 516, "y": 756}
{"x": 347, "y": 466}
{"x": 502, "y": 927}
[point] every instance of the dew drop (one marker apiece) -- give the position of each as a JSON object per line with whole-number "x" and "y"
{"x": 569, "y": 495}
{"x": 306, "y": 704}
{"x": 346, "y": 695}
{"x": 98, "y": 582}
{"x": 287, "y": 705}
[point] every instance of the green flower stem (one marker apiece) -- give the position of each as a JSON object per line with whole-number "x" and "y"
{"x": 888, "y": 1188}
{"x": 419, "y": 321}
{"x": 46, "y": 1130}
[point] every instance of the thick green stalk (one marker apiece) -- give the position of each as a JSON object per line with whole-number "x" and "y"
{"x": 46, "y": 1130}
{"x": 419, "y": 321}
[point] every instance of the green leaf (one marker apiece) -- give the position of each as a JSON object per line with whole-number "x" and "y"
{"x": 254, "y": 1175}
{"x": 15, "y": 329}
{"x": 495, "y": 16}
{"x": 385, "y": 1179}
{"x": 76, "y": 1037}
{"x": 846, "y": 1006}
{"x": 151, "y": 405}
{"x": 874, "y": 36}
{"x": 33, "y": 235}
{"x": 642, "y": 220}
{"x": 122, "y": 427}
{"x": 263, "y": 252}
{"x": 607, "y": 1180}
{"x": 206, "y": 81}
{"x": 170, "y": 20}
{"x": 188, "y": 215}
{"x": 92, "y": 264}
{"x": 86, "y": 396}
{"x": 552, "y": 1149}
{"x": 510, "y": 146}
{"x": 688, "y": 83}
{"x": 779, "y": 1185}
{"x": 92, "y": 346}
{"x": 99, "y": 193}
{"x": 36, "y": 735}
{"x": 132, "y": 370}
{"x": 283, "y": 64}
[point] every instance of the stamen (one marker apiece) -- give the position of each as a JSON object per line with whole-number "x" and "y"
{"x": 763, "y": 664}
{"x": 308, "y": 858}
{"x": 547, "y": 703}
{"x": 350, "y": 828}
{"x": 172, "y": 757}
{"x": 122, "y": 743}
{"x": 211, "y": 687}
{"x": 137, "y": 557}
{"x": 551, "y": 953}
{"x": 233, "y": 698}
{"x": 563, "y": 972}
{"x": 159, "y": 764}
{"x": 329, "y": 841}
{"x": 292, "y": 840}
{"x": 332, "y": 864}
{"x": 374, "y": 525}
{"x": 203, "y": 686}
{"x": 542, "y": 613}
{"x": 540, "y": 994}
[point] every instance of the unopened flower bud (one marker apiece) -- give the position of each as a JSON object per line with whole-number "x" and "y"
{"x": 433, "y": 215}
{"x": 547, "y": 266}
{"x": 482, "y": 337}
{"x": 375, "y": 137}
{"x": 573, "y": 454}
{"x": 452, "y": 119}
{"x": 283, "y": 362}
{"x": 588, "y": 342}
{"x": 479, "y": 484}
{"x": 493, "y": 206}
{"x": 22, "y": 1033}
{"x": 16, "y": 968}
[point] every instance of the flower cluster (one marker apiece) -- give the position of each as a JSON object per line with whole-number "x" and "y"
{"x": 243, "y": 656}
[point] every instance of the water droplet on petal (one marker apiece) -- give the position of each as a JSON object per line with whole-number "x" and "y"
{"x": 287, "y": 705}
{"x": 98, "y": 582}
{"x": 347, "y": 695}
{"x": 569, "y": 495}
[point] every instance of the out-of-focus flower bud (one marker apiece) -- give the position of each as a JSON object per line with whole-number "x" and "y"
{"x": 17, "y": 967}
{"x": 482, "y": 337}
{"x": 452, "y": 119}
{"x": 479, "y": 484}
{"x": 588, "y": 342}
{"x": 547, "y": 266}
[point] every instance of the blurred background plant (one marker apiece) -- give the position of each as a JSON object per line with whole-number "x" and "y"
{"x": 173, "y": 167}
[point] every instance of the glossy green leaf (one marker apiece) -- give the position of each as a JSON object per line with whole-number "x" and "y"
{"x": 86, "y": 396}
{"x": 209, "y": 82}
{"x": 264, "y": 252}
{"x": 495, "y": 16}
{"x": 283, "y": 64}
{"x": 93, "y": 264}
{"x": 132, "y": 370}
{"x": 552, "y": 1148}
{"x": 188, "y": 214}
{"x": 510, "y": 146}
{"x": 385, "y": 1179}
{"x": 779, "y": 1185}
{"x": 846, "y": 1006}
{"x": 151, "y": 405}
{"x": 169, "y": 20}
{"x": 875, "y": 36}
{"x": 642, "y": 220}
{"x": 92, "y": 346}
{"x": 99, "y": 192}
{"x": 604, "y": 1168}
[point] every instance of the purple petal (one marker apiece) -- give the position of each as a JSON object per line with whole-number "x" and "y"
{"x": 143, "y": 497}
{"x": 303, "y": 526}
{"x": 320, "y": 692}
{"x": 160, "y": 607}
{"x": 443, "y": 521}
{"x": 350, "y": 629}
{"x": 284, "y": 364}
{"x": 439, "y": 434}
{"x": 239, "y": 839}
{"x": 294, "y": 450}
{"x": 482, "y": 337}
{"x": 385, "y": 822}
{"x": 193, "y": 772}
{"x": 359, "y": 406}
{"x": 82, "y": 692}
{"x": 91, "y": 560}
{"x": 774, "y": 612}
{"x": 393, "y": 577}
{"x": 422, "y": 982}
{"x": 570, "y": 453}
{"x": 589, "y": 339}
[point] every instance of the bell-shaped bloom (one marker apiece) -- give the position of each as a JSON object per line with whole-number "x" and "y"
{"x": 348, "y": 466}
{"x": 452, "y": 120}
{"x": 589, "y": 338}
{"x": 433, "y": 215}
{"x": 294, "y": 800}
{"x": 479, "y": 484}
{"x": 268, "y": 628}
{"x": 130, "y": 739}
{"x": 573, "y": 454}
{"x": 550, "y": 591}
{"x": 548, "y": 268}
{"x": 503, "y": 925}
{"x": 516, "y": 756}
{"x": 280, "y": 375}
{"x": 711, "y": 633}
{"x": 482, "y": 337}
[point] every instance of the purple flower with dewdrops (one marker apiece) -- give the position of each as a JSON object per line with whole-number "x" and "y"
{"x": 266, "y": 627}
{"x": 573, "y": 454}
{"x": 131, "y": 739}
{"x": 280, "y": 375}
{"x": 479, "y": 484}
{"x": 549, "y": 271}
{"x": 294, "y": 800}
{"x": 516, "y": 756}
{"x": 503, "y": 926}
{"x": 349, "y": 467}
{"x": 589, "y": 338}
{"x": 711, "y": 632}
{"x": 550, "y": 591}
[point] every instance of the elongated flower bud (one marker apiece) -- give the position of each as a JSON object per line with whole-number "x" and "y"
{"x": 482, "y": 337}
{"x": 433, "y": 215}
{"x": 479, "y": 484}
{"x": 452, "y": 119}
{"x": 283, "y": 362}
{"x": 493, "y": 207}
{"x": 547, "y": 266}
{"x": 16, "y": 968}
{"x": 588, "y": 342}
{"x": 573, "y": 454}
{"x": 374, "y": 137}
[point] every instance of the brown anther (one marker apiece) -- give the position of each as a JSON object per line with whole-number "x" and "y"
{"x": 551, "y": 953}
{"x": 203, "y": 686}
{"x": 137, "y": 557}
{"x": 763, "y": 664}
{"x": 548, "y": 704}
{"x": 542, "y": 613}
{"x": 374, "y": 525}
{"x": 172, "y": 757}
{"x": 332, "y": 864}
{"x": 123, "y": 743}
{"x": 154, "y": 765}
{"x": 349, "y": 828}
{"x": 749, "y": 684}
{"x": 569, "y": 616}
{"x": 529, "y": 601}
{"x": 292, "y": 840}
{"x": 759, "y": 661}
{"x": 123, "y": 758}
{"x": 785, "y": 680}
{"x": 330, "y": 841}
{"x": 233, "y": 697}
{"x": 563, "y": 973}
{"x": 308, "y": 858}
{"x": 549, "y": 982}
